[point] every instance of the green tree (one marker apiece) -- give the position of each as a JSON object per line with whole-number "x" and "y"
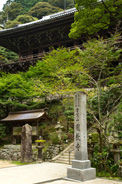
{"x": 15, "y": 92}
{"x": 21, "y": 19}
{"x": 99, "y": 60}
{"x": 7, "y": 55}
{"x": 1, "y": 20}
{"x": 115, "y": 126}
{"x": 2, "y": 130}
{"x": 97, "y": 66}
{"x": 93, "y": 16}
{"x": 41, "y": 9}
{"x": 25, "y": 19}
{"x": 11, "y": 11}
{"x": 8, "y": 2}
{"x": 61, "y": 3}
{"x": 27, "y": 5}
{"x": 12, "y": 23}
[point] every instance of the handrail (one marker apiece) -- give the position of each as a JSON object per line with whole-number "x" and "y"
{"x": 69, "y": 154}
{"x": 65, "y": 150}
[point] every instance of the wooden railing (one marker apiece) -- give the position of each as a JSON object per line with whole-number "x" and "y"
{"x": 34, "y": 57}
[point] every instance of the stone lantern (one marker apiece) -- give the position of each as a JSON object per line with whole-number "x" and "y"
{"x": 40, "y": 146}
{"x": 59, "y": 128}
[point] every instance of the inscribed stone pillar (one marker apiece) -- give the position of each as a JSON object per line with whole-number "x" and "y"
{"x": 80, "y": 136}
{"x": 26, "y": 143}
{"x": 81, "y": 167}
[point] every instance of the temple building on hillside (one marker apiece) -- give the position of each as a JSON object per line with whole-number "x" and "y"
{"x": 32, "y": 40}
{"x": 17, "y": 119}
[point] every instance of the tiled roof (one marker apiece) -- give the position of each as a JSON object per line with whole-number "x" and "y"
{"x": 44, "y": 19}
{"x": 25, "y": 115}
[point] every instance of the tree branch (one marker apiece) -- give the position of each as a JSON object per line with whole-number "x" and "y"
{"x": 105, "y": 6}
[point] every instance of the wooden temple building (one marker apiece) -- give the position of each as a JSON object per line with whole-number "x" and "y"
{"x": 32, "y": 40}
{"x": 32, "y": 117}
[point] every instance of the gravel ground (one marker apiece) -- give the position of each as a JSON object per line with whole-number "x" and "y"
{"x": 6, "y": 163}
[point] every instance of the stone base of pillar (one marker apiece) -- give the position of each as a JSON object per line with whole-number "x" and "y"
{"x": 81, "y": 171}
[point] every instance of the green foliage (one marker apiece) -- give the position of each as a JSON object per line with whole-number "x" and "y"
{"x": 68, "y": 111}
{"x": 2, "y": 130}
{"x": 93, "y": 16}
{"x": 6, "y": 55}
{"x": 11, "y": 24}
{"x": 25, "y": 18}
{"x": 116, "y": 125}
{"x": 42, "y": 9}
{"x": 27, "y": 5}
{"x": 21, "y": 19}
{"x": 50, "y": 70}
{"x": 11, "y": 11}
{"x": 104, "y": 162}
{"x": 64, "y": 137}
{"x": 100, "y": 58}
{"x": 21, "y": 163}
{"x": 54, "y": 138}
{"x": 60, "y": 3}
{"x": 109, "y": 98}
{"x": 62, "y": 71}
{"x": 94, "y": 137}
{"x": 15, "y": 92}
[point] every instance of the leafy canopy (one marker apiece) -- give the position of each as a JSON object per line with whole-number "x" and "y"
{"x": 11, "y": 11}
{"x": 62, "y": 69}
{"x": 60, "y": 3}
{"x": 94, "y": 15}
{"x": 27, "y": 5}
{"x": 15, "y": 92}
{"x": 21, "y": 19}
{"x": 41, "y": 9}
{"x": 7, "y": 55}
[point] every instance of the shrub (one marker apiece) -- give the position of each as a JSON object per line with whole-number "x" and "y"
{"x": 54, "y": 138}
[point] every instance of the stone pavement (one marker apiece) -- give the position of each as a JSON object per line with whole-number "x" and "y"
{"x": 42, "y": 173}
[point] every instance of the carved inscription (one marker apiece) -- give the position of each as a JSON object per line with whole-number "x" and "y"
{"x": 80, "y": 135}
{"x": 84, "y": 126}
{"x": 77, "y": 114}
{"x": 78, "y": 146}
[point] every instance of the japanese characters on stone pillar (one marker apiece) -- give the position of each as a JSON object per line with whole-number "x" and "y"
{"x": 80, "y": 136}
{"x": 81, "y": 167}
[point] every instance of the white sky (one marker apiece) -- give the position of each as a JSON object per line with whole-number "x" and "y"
{"x": 2, "y": 2}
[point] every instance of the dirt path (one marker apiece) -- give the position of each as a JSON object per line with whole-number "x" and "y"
{"x": 6, "y": 163}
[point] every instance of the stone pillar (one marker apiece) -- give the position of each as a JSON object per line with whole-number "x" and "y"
{"x": 81, "y": 167}
{"x": 26, "y": 143}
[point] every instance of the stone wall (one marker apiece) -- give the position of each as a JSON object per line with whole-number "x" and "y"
{"x": 52, "y": 151}
{"x": 12, "y": 152}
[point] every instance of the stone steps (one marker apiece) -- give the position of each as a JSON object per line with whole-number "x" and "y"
{"x": 63, "y": 157}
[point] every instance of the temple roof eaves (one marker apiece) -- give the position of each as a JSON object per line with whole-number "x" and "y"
{"x": 44, "y": 20}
